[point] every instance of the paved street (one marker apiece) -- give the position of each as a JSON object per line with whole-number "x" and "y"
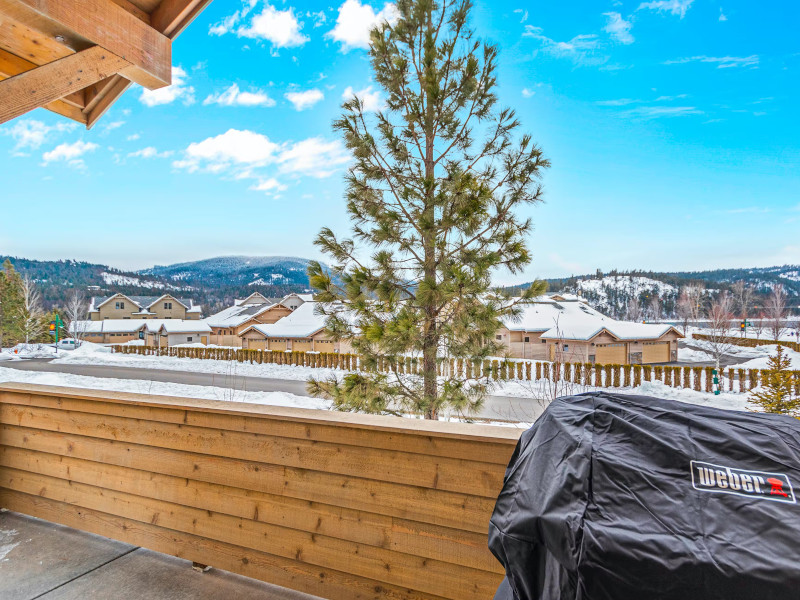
{"x": 495, "y": 407}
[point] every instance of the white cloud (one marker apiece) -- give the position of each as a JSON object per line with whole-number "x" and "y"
{"x": 233, "y": 96}
{"x": 30, "y": 134}
{"x": 69, "y": 153}
{"x": 722, "y": 62}
{"x": 279, "y": 27}
{"x": 524, "y": 13}
{"x": 228, "y": 23}
{"x": 370, "y": 100}
{"x": 248, "y": 155}
{"x": 674, "y": 7}
{"x": 618, "y": 28}
{"x": 581, "y": 49}
{"x": 271, "y": 186}
{"x": 112, "y": 125}
{"x": 528, "y": 93}
{"x": 356, "y": 20}
{"x": 234, "y": 147}
{"x": 150, "y": 152}
{"x": 722, "y": 16}
{"x": 133, "y": 137}
{"x": 315, "y": 157}
{"x": 304, "y": 100}
{"x": 179, "y": 90}
{"x": 654, "y": 112}
{"x": 319, "y": 18}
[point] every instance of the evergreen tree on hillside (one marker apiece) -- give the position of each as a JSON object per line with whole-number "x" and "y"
{"x": 432, "y": 195}
{"x": 776, "y": 393}
{"x": 11, "y": 305}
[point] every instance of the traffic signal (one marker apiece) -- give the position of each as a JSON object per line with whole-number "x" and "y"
{"x": 743, "y": 325}
{"x": 52, "y": 325}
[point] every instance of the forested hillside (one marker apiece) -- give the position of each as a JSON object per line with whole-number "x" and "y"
{"x": 213, "y": 283}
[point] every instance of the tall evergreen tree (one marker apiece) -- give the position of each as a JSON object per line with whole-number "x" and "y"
{"x": 433, "y": 194}
{"x": 776, "y": 393}
{"x": 11, "y": 305}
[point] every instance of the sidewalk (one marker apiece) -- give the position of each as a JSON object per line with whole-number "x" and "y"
{"x": 42, "y": 560}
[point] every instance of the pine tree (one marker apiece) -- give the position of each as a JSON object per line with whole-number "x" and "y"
{"x": 11, "y": 305}
{"x": 776, "y": 394}
{"x": 432, "y": 195}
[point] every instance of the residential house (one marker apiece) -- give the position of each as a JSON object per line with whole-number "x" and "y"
{"x": 163, "y": 333}
{"x": 565, "y": 327}
{"x": 109, "y": 331}
{"x": 121, "y": 306}
{"x": 303, "y": 330}
{"x": 256, "y": 309}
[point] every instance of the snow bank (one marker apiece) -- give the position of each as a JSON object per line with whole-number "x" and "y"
{"x": 542, "y": 389}
{"x": 162, "y": 388}
{"x": 101, "y": 355}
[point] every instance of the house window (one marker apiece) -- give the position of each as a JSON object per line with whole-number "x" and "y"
{"x": 527, "y": 338}
{"x": 124, "y": 318}
{"x": 566, "y": 347}
{"x": 119, "y": 305}
{"x": 544, "y": 341}
{"x": 189, "y": 338}
{"x": 167, "y": 305}
{"x": 499, "y": 337}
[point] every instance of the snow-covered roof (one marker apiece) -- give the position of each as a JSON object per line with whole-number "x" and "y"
{"x": 181, "y": 326}
{"x": 563, "y": 316}
{"x": 108, "y": 326}
{"x": 256, "y": 298}
{"x": 302, "y": 323}
{"x": 237, "y": 315}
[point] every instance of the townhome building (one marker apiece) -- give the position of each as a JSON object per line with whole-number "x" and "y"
{"x": 122, "y": 306}
{"x": 303, "y": 331}
{"x": 565, "y": 327}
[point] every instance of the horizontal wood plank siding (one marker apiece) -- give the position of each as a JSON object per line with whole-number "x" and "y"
{"x": 337, "y": 505}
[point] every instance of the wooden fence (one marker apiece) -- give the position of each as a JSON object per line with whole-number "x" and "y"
{"x": 697, "y": 378}
{"x": 341, "y": 506}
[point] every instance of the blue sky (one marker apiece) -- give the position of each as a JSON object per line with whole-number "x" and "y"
{"x": 672, "y": 128}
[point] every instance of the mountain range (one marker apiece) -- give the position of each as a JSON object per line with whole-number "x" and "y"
{"x": 216, "y": 282}
{"x": 213, "y": 283}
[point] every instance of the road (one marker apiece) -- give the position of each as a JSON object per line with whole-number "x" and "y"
{"x": 496, "y": 407}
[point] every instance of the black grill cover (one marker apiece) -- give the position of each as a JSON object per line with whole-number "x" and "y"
{"x": 616, "y": 497}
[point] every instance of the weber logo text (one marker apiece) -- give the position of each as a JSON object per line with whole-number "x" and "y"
{"x": 707, "y": 477}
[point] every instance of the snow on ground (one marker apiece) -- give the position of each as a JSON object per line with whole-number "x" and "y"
{"x": 543, "y": 389}
{"x": 746, "y": 358}
{"x": 99, "y": 355}
{"x": 162, "y": 388}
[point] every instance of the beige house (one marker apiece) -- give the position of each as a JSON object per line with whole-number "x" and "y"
{"x": 169, "y": 332}
{"x": 256, "y": 309}
{"x": 302, "y": 331}
{"x": 567, "y": 328}
{"x": 120, "y": 306}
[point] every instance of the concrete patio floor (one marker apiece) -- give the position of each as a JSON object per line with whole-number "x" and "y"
{"x": 42, "y": 560}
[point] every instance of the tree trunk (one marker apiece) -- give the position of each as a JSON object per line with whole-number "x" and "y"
{"x": 430, "y": 343}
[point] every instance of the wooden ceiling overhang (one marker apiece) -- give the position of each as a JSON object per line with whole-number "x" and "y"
{"x": 77, "y": 57}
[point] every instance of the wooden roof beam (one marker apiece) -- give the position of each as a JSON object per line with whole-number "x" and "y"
{"x": 173, "y": 16}
{"x": 43, "y": 85}
{"x": 80, "y": 24}
{"x": 11, "y": 64}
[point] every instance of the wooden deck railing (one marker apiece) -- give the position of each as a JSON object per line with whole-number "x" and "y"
{"x": 337, "y": 505}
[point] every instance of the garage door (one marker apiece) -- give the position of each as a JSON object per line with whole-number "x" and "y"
{"x": 301, "y": 345}
{"x": 611, "y": 354}
{"x": 655, "y": 352}
{"x": 255, "y": 344}
{"x": 279, "y": 345}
